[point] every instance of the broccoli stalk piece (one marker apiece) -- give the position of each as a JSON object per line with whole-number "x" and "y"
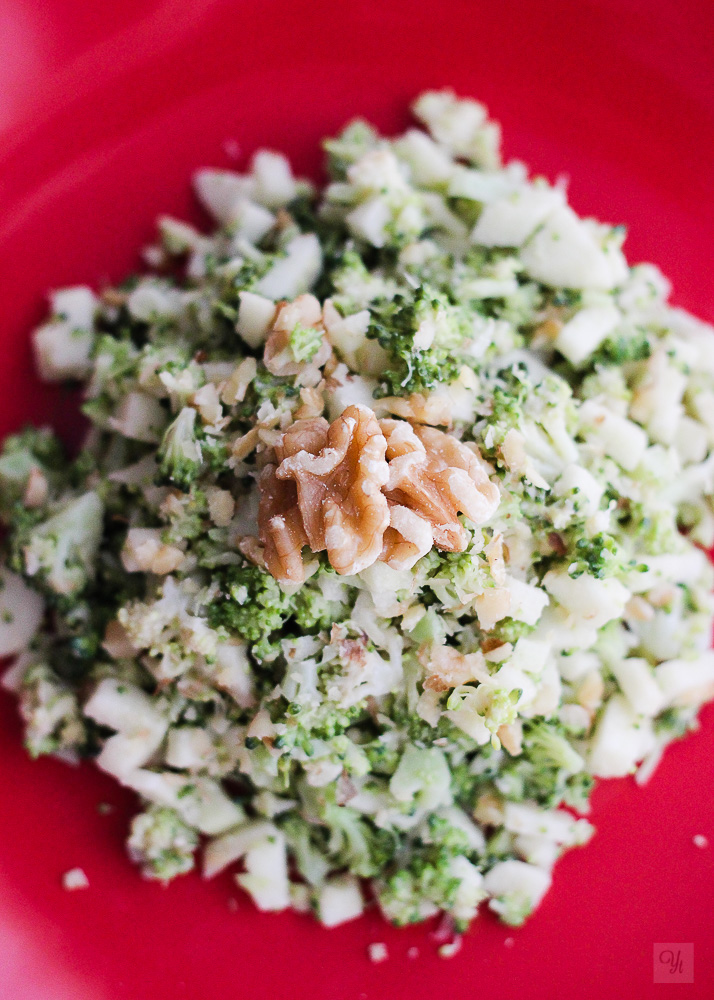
{"x": 422, "y": 778}
{"x": 162, "y": 844}
{"x": 180, "y": 456}
{"x": 309, "y": 858}
{"x": 61, "y": 552}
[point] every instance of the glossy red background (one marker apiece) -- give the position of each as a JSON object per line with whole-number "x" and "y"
{"x": 104, "y": 111}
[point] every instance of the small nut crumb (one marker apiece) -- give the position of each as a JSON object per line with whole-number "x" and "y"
{"x": 221, "y": 507}
{"x": 489, "y": 810}
{"x": 377, "y": 952}
{"x": 104, "y": 808}
{"x": 74, "y": 879}
{"x": 451, "y": 948}
{"x": 509, "y": 942}
{"x": 699, "y": 840}
{"x": 36, "y": 490}
{"x": 413, "y": 952}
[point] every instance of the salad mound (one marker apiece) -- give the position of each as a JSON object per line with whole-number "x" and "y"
{"x": 386, "y": 538}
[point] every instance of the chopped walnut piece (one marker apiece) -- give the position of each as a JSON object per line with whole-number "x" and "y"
{"x": 438, "y": 477}
{"x": 367, "y": 490}
{"x": 234, "y": 388}
{"x": 446, "y": 667}
{"x": 407, "y": 538}
{"x": 36, "y": 490}
{"x": 511, "y": 736}
{"x": 281, "y": 529}
{"x": 496, "y": 561}
{"x": 489, "y": 810}
{"x": 278, "y": 356}
{"x": 144, "y": 552}
{"x": 221, "y": 506}
{"x": 491, "y": 606}
{"x": 422, "y": 409}
{"x": 304, "y": 435}
{"x": 639, "y": 610}
{"x": 339, "y": 473}
{"x": 550, "y": 326}
{"x": 253, "y": 551}
{"x": 117, "y": 643}
{"x": 207, "y": 403}
{"x": 591, "y": 690}
{"x": 244, "y": 444}
{"x": 312, "y": 403}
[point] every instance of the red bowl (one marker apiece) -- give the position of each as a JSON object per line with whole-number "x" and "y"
{"x": 105, "y": 112}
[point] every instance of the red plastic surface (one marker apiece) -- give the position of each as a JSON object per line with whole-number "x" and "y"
{"x": 105, "y": 110}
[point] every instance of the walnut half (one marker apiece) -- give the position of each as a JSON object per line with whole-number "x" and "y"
{"x": 337, "y": 472}
{"x": 437, "y": 477}
{"x": 364, "y": 490}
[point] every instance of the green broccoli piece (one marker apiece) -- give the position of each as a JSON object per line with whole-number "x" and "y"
{"x": 353, "y": 142}
{"x": 355, "y": 843}
{"x": 395, "y": 324}
{"x": 550, "y": 772}
{"x": 310, "y": 857}
{"x": 188, "y": 519}
{"x": 551, "y": 749}
{"x": 180, "y": 456}
{"x": 510, "y": 630}
{"x": 215, "y": 452}
{"x": 162, "y": 844}
{"x": 50, "y": 711}
{"x": 514, "y": 908}
{"x": 422, "y": 778}
{"x": 253, "y": 603}
{"x": 416, "y": 892}
{"x": 312, "y": 608}
{"x": 305, "y": 342}
{"x": 61, "y": 552}
{"x": 597, "y": 556}
{"x": 621, "y": 350}
{"x": 31, "y": 449}
{"x": 438, "y": 875}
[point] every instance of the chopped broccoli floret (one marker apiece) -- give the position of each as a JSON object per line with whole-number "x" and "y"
{"x": 597, "y": 556}
{"x": 356, "y": 843}
{"x": 551, "y": 748}
{"x": 252, "y": 604}
{"x": 162, "y": 843}
{"x": 621, "y": 350}
{"x": 352, "y": 143}
{"x": 21, "y": 453}
{"x": 305, "y": 342}
{"x": 422, "y": 778}
{"x": 421, "y": 333}
{"x": 180, "y": 455}
{"x": 438, "y": 875}
{"x": 51, "y": 712}
{"x": 61, "y": 552}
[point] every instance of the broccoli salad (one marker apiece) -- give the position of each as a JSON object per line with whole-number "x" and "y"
{"x": 387, "y": 535}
